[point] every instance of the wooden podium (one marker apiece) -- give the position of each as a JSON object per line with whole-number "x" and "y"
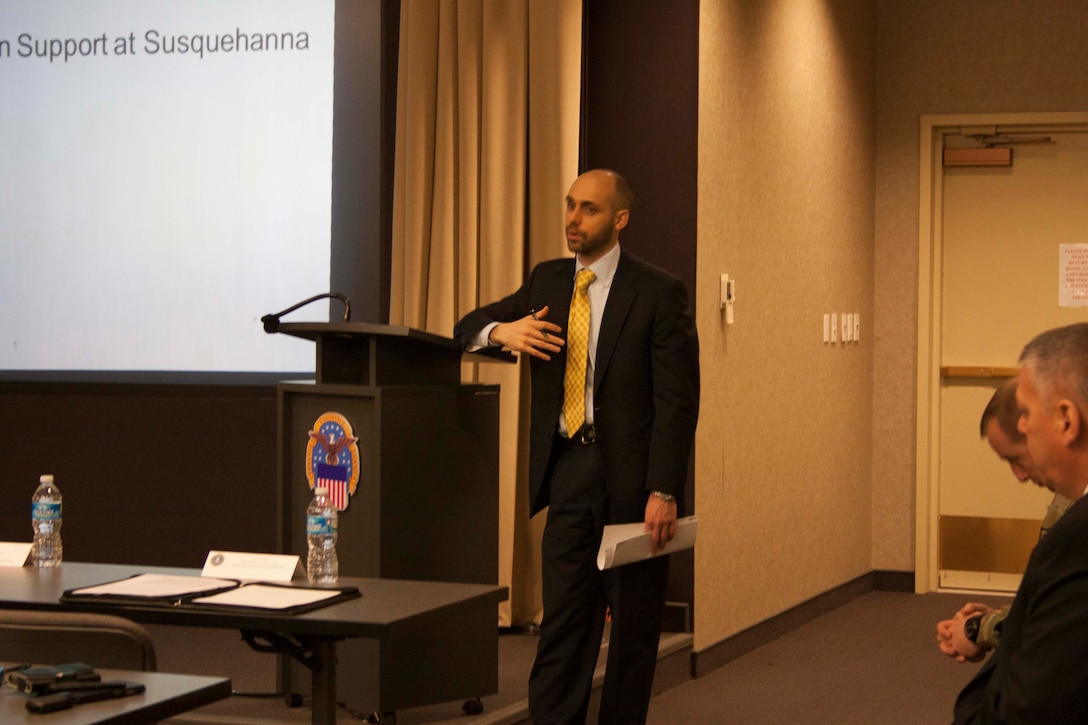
{"x": 426, "y": 502}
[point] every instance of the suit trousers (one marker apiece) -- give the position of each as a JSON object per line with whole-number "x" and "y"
{"x": 576, "y": 596}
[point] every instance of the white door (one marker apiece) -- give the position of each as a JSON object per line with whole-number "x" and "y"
{"x": 998, "y": 232}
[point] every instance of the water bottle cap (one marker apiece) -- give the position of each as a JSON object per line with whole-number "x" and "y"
{"x": 46, "y": 478}
{"x": 321, "y": 490}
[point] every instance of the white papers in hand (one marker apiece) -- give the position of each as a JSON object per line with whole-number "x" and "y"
{"x": 627, "y": 543}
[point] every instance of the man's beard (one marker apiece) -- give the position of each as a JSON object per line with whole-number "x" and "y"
{"x": 589, "y": 244}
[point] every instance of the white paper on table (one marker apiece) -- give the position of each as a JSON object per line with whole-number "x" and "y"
{"x": 627, "y": 543}
{"x": 156, "y": 585}
{"x": 14, "y": 553}
{"x": 267, "y": 597}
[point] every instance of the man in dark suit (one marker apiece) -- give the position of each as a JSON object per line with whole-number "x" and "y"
{"x": 611, "y": 431}
{"x": 1039, "y": 674}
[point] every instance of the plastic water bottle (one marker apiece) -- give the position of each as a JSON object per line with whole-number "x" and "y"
{"x": 45, "y": 514}
{"x": 322, "y": 566}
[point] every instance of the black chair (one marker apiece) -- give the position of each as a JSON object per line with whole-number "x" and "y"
{"x": 99, "y": 640}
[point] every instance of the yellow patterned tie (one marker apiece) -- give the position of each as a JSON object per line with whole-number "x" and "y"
{"x": 574, "y": 381}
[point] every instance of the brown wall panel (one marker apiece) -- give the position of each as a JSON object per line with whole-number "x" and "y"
{"x": 640, "y": 117}
{"x": 150, "y": 474}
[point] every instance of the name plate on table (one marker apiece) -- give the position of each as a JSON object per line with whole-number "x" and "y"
{"x": 252, "y": 567}
{"x": 14, "y": 553}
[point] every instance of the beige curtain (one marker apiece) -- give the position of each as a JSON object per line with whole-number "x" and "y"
{"x": 487, "y": 138}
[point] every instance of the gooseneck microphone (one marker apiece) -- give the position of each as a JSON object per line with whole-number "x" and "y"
{"x": 272, "y": 322}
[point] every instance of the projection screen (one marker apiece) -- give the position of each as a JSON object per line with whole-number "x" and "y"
{"x": 167, "y": 175}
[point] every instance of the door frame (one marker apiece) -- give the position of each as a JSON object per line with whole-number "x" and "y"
{"x": 930, "y": 286}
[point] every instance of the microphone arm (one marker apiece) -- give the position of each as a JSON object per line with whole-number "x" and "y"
{"x": 272, "y": 322}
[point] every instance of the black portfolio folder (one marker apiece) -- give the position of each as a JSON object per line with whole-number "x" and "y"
{"x": 209, "y": 598}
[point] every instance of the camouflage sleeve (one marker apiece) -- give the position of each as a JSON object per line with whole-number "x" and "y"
{"x": 1058, "y": 506}
{"x": 989, "y": 630}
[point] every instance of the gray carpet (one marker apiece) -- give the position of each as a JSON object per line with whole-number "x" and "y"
{"x": 873, "y": 660}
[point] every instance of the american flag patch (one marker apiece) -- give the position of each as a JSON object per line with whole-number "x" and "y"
{"x": 335, "y": 479}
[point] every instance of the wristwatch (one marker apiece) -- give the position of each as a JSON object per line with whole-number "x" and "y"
{"x": 666, "y": 497}
{"x": 971, "y": 627}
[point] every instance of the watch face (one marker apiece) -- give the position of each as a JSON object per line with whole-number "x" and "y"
{"x": 970, "y": 628}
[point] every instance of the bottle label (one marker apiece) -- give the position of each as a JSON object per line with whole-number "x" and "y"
{"x": 319, "y": 526}
{"x": 42, "y": 511}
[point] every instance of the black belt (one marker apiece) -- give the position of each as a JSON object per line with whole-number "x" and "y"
{"x": 585, "y": 435}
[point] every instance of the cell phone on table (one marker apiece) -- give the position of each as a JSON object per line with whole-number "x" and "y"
{"x": 73, "y": 693}
{"x": 34, "y": 680}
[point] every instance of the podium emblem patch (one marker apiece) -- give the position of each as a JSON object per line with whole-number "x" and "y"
{"x": 332, "y": 456}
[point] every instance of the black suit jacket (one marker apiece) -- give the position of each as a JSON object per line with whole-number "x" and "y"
{"x": 1039, "y": 672}
{"x": 645, "y": 382}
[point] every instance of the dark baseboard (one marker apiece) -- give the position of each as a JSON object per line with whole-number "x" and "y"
{"x": 767, "y": 631}
{"x": 893, "y": 581}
